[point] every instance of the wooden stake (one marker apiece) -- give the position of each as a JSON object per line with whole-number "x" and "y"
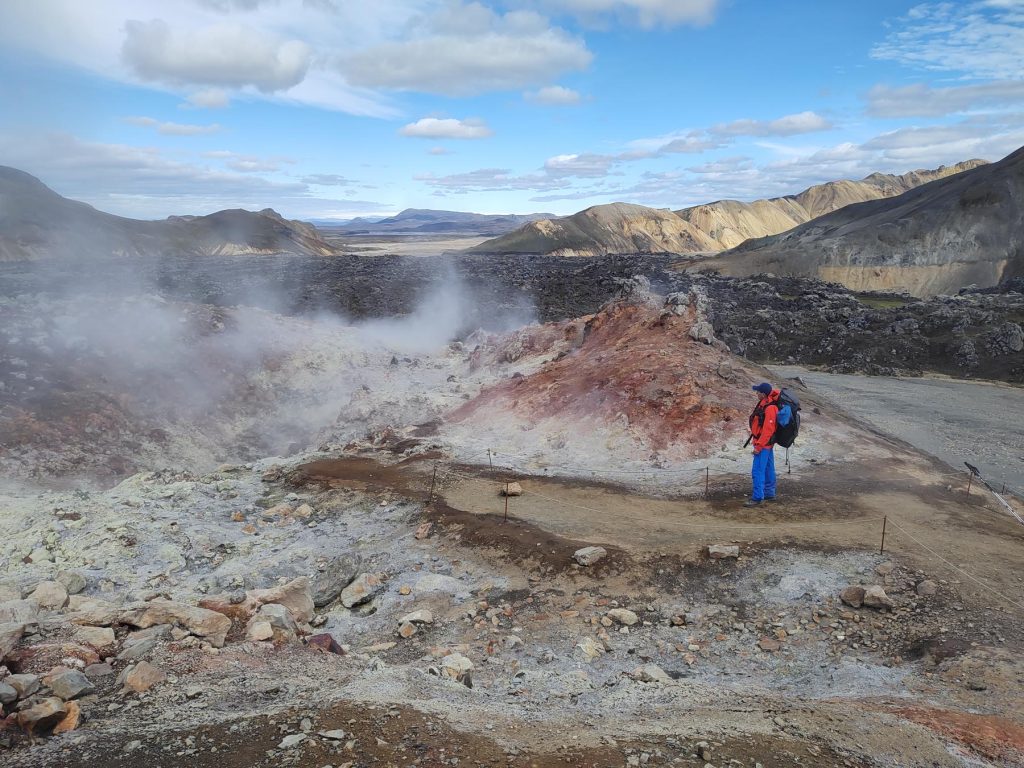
{"x": 970, "y": 476}
{"x": 433, "y": 481}
{"x": 506, "y": 501}
{"x": 881, "y": 549}
{"x": 707, "y": 480}
{"x": 489, "y": 459}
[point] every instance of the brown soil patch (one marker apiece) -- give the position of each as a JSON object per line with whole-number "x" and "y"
{"x": 989, "y": 735}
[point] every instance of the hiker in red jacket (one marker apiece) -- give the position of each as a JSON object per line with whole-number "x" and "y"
{"x": 762, "y": 431}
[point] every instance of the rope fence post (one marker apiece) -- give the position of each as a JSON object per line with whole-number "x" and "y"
{"x": 433, "y": 482}
{"x": 885, "y": 521}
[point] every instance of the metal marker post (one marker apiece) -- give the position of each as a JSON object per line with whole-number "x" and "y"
{"x": 970, "y": 476}
{"x": 433, "y": 481}
{"x": 881, "y": 549}
{"x": 707, "y": 480}
{"x": 506, "y": 501}
{"x": 491, "y": 463}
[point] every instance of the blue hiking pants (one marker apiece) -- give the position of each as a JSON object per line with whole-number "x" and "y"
{"x": 763, "y": 474}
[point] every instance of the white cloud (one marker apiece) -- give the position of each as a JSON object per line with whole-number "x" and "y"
{"x": 491, "y": 180}
{"x": 224, "y": 55}
{"x": 790, "y": 125}
{"x": 921, "y": 100}
{"x": 209, "y": 98}
{"x": 554, "y": 95}
{"x": 447, "y": 128}
{"x": 174, "y": 129}
{"x": 646, "y": 13}
{"x": 327, "y": 180}
{"x": 586, "y": 165}
{"x": 439, "y": 151}
{"x": 468, "y": 49}
{"x": 978, "y": 39}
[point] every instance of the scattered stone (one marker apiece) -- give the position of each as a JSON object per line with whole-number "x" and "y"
{"x": 623, "y": 616}
{"x": 334, "y": 735}
{"x": 511, "y": 489}
{"x": 651, "y": 673}
{"x": 71, "y": 719}
{"x": 325, "y": 643}
{"x": 70, "y": 685}
{"x": 19, "y": 612}
{"x": 328, "y": 584}
{"x": 8, "y": 695}
{"x": 141, "y": 677}
{"x": 926, "y": 588}
{"x": 296, "y": 596}
{"x": 423, "y": 530}
{"x": 437, "y": 582}
{"x": 97, "y": 637}
{"x": 95, "y": 671}
{"x": 884, "y": 569}
{"x": 40, "y": 555}
{"x": 203, "y": 622}
{"x": 73, "y": 581}
{"x": 291, "y": 741}
{"x": 853, "y": 596}
{"x": 282, "y": 624}
{"x": 458, "y": 668}
{"x": 10, "y": 636}
{"x": 769, "y": 644}
{"x": 875, "y": 597}
{"x": 91, "y": 611}
{"x": 590, "y": 648}
{"x": 406, "y": 630}
{"x": 589, "y": 555}
{"x": 24, "y": 684}
{"x": 723, "y": 551}
{"x": 50, "y": 594}
{"x": 40, "y": 719}
{"x": 259, "y": 630}
{"x": 422, "y": 616}
{"x": 364, "y": 588}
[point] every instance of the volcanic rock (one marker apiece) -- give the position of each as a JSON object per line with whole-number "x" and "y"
{"x": 589, "y": 555}
{"x": 279, "y": 618}
{"x": 19, "y": 611}
{"x": 421, "y": 616}
{"x": 650, "y": 673}
{"x": 24, "y": 684}
{"x": 10, "y": 635}
{"x": 50, "y": 594}
{"x": 364, "y": 588}
{"x": 141, "y": 677}
{"x": 70, "y": 685}
{"x": 296, "y": 596}
{"x": 207, "y": 624}
{"x": 723, "y": 551}
{"x": 339, "y": 573}
{"x": 97, "y": 637}
{"x": 73, "y": 581}
{"x": 42, "y": 718}
{"x": 875, "y": 597}
{"x": 511, "y": 489}
{"x": 72, "y": 717}
{"x": 926, "y": 588}
{"x": 458, "y": 668}
{"x": 325, "y": 643}
{"x": 853, "y": 596}
{"x": 589, "y": 648}
{"x": 8, "y": 695}
{"x": 623, "y": 616}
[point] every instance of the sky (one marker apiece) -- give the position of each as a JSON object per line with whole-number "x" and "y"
{"x": 331, "y": 109}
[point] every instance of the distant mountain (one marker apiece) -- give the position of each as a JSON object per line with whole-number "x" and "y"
{"x": 937, "y": 238}
{"x": 425, "y": 221}
{"x": 37, "y": 223}
{"x": 709, "y": 228}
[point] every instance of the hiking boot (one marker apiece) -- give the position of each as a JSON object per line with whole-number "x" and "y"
{"x": 752, "y": 503}
{"x": 770, "y": 499}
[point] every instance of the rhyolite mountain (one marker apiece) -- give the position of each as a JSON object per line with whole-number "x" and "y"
{"x": 38, "y": 223}
{"x": 966, "y": 229}
{"x": 624, "y": 228}
{"x": 423, "y": 221}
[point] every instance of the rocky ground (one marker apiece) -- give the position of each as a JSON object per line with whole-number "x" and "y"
{"x": 361, "y": 599}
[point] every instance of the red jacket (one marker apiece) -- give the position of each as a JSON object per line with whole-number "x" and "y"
{"x": 762, "y": 421}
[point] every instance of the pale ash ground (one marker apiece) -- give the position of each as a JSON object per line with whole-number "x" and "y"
{"x": 956, "y": 421}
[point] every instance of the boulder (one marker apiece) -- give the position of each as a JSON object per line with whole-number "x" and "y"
{"x": 205, "y": 623}
{"x": 282, "y": 624}
{"x": 24, "y": 684}
{"x": 19, "y": 612}
{"x": 10, "y": 636}
{"x": 70, "y": 685}
{"x": 259, "y": 630}
{"x": 72, "y": 717}
{"x": 511, "y": 489}
{"x": 92, "y": 611}
{"x": 289, "y": 742}
{"x": 296, "y": 596}
{"x": 364, "y": 588}
{"x": 325, "y": 643}
{"x": 8, "y": 694}
{"x": 338, "y": 574}
{"x": 853, "y": 596}
{"x": 623, "y": 616}
{"x": 926, "y": 588}
{"x": 723, "y": 551}
{"x": 875, "y": 597}
{"x": 97, "y": 637}
{"x": 422, "y": 616}
{"x": 51, "y": 595}
{"x": 141, "y": 677}
{"x": 9, "y": 592}
{"x": 589, "y": 555}
{"x": 651, "y": 673}
{"x": 139, "y": 649}
{"x": 458, "y": 668}
{"x": 40, "y": 719}
{"x": 73, "y": 581}
{"x": 769, "y": 644}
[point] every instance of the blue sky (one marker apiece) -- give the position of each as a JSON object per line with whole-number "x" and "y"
{"x": 337, "y": 108}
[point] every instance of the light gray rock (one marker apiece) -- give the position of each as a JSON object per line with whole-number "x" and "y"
{"x": 875, "y": 597}
{"x": 19, "y": 611}
{"x": 853, "y": 596}
{"x": 437, "y": 582}
{"x": 10, "y": 636}
{"x": 92, "y": 611}
{"x": 926, "y": 588}
{"x": 589, "y": 555}
{"x": 205, "y": 623}
{"x": 24, "y": 684}
{"x": 137, "y": 650}
{"x": 623, "y": 616}
{"x": 296, "y": 596}
{"x": 8, "y": 695}
{"x": 73, "y": 581}
{"x": 364, "y": 588}
{"x": 458, "y": 668}
{"x": 421, "y": 616}
{"x": 70, "y": 685}
{"x": 97, "y": 637}
{"x": 723, "y": 551}
{"x": 651, "y": 673}
{"x": 292, "y": 741}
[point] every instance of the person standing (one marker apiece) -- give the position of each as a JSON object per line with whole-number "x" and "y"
{"x": 763, "y": 424}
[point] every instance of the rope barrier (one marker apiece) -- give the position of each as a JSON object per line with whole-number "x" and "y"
{"x": 956, "y": 568}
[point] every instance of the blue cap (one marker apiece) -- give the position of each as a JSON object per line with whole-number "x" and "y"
{"x": 764, "y": 388}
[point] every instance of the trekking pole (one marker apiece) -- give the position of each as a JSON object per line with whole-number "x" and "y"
{"x": 789, "y": 468}
{"x": 881, "y": 549}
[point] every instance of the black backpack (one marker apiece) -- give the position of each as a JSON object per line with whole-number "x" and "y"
{"x": 786, "y": 436}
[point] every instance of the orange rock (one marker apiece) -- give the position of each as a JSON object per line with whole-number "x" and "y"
{"x": 143, "y": 676}
{"x": 71, "y": 719}
{"x": 237, "y": 517}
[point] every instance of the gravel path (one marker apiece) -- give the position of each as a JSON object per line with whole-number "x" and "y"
{"x": 956, "y": 421}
